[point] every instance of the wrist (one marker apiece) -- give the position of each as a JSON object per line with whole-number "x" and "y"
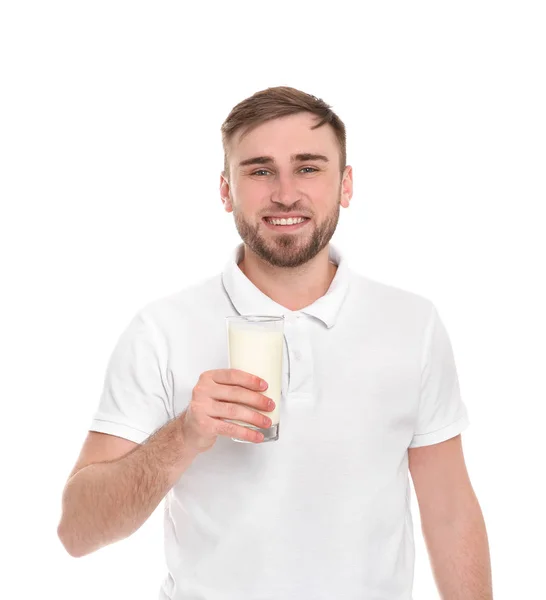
{"x": 192, "y": 443}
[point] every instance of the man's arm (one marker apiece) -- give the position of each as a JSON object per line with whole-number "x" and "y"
{"x": 452, "y": 521}
{"x": 107, "y": 501}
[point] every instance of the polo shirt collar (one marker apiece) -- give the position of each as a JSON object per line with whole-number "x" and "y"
{"x": 247, "y": 299}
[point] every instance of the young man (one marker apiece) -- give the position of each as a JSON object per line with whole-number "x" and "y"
{"x": 370, "y": 393}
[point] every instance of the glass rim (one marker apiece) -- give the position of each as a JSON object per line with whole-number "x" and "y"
{"x": 256, "y": 318}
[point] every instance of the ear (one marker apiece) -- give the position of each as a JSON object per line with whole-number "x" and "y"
{"x": 347, "y": 186}
{"x": 225, "y": 193}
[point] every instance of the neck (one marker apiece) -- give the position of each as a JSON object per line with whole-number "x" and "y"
{"x": 293, "y": 288}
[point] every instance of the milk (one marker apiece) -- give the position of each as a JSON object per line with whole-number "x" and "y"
{"x": 259, "y": 352}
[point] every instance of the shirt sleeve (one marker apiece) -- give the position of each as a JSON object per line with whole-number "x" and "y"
{"x": 442, "y": 414}
{"x": 135, "y": 400}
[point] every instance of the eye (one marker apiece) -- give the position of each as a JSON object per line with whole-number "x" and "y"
{"x": 260, "y": 171}
{"x": 312, "y": 169}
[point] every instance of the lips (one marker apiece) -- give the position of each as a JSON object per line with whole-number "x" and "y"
{"x": 271, "y": 219}
{"x": 285, "y": 228}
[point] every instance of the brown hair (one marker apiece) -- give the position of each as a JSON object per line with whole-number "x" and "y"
{"x": 276, "y": 102}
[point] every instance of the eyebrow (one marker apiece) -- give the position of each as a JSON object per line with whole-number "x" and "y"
{"x": 264, "y": 160}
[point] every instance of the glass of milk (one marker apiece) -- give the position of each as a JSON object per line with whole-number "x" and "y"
{"x": 255, "y": 345}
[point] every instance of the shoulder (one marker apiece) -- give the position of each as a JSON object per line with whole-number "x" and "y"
{"x": 188, "y": 305}
{"x": 391, "y": 301}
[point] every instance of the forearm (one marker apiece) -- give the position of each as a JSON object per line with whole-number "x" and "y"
{"x": 108, "y": 501}
{"x": 459, "y": 555}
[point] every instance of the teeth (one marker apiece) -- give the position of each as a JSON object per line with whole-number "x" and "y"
{"x": 286, "y": 221}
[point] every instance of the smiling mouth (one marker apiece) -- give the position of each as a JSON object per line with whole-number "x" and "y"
{"x": 290, "y": 224}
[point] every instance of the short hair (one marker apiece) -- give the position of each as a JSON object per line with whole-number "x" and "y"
{"x": 276, "y": 102}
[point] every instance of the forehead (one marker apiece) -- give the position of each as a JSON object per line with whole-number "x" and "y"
{"x": 285, "y": 136}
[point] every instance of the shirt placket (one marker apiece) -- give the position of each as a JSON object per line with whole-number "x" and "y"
{"x": 298, "y": 356}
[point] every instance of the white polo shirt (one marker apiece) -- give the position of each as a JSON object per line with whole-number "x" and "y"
{"x": 324, "y": 512}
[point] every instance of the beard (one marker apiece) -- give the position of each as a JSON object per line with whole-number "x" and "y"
{"x": 287, "y": 250}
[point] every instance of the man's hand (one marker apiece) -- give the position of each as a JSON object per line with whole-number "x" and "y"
{"x": 223, "y": 394}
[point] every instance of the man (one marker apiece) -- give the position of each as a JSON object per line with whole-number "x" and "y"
{"x": 370, "y": 393}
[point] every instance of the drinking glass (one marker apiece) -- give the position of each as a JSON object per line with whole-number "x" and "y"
{"x": 255, "y": 345}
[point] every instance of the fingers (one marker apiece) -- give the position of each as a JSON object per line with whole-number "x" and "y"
{"x": 239, "y": 431}
{"x": 239, "y": 412}
{"x": 228, "y": 394}
{"x": 237, "y": 377}
{"x": 242, "y": 395}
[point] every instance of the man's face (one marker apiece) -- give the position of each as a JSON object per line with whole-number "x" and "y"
{"x": 268, "y": 179}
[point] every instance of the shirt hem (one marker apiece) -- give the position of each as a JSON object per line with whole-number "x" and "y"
{"x": 440, "y": 435}
{"x": 119, "y": 429}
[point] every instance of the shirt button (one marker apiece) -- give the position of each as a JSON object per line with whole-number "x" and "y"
{"x": 297, "y": 355}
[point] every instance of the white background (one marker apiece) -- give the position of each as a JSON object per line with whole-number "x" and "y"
{"x": 110, "y": 162}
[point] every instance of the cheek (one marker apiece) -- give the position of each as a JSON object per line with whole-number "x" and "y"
{"x": 322, "y": 188}
{"x": 247, "y": 187}
{"x": 251, "y": 195}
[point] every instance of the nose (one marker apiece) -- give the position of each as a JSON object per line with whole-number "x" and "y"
{"x": 285, "y": 190}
